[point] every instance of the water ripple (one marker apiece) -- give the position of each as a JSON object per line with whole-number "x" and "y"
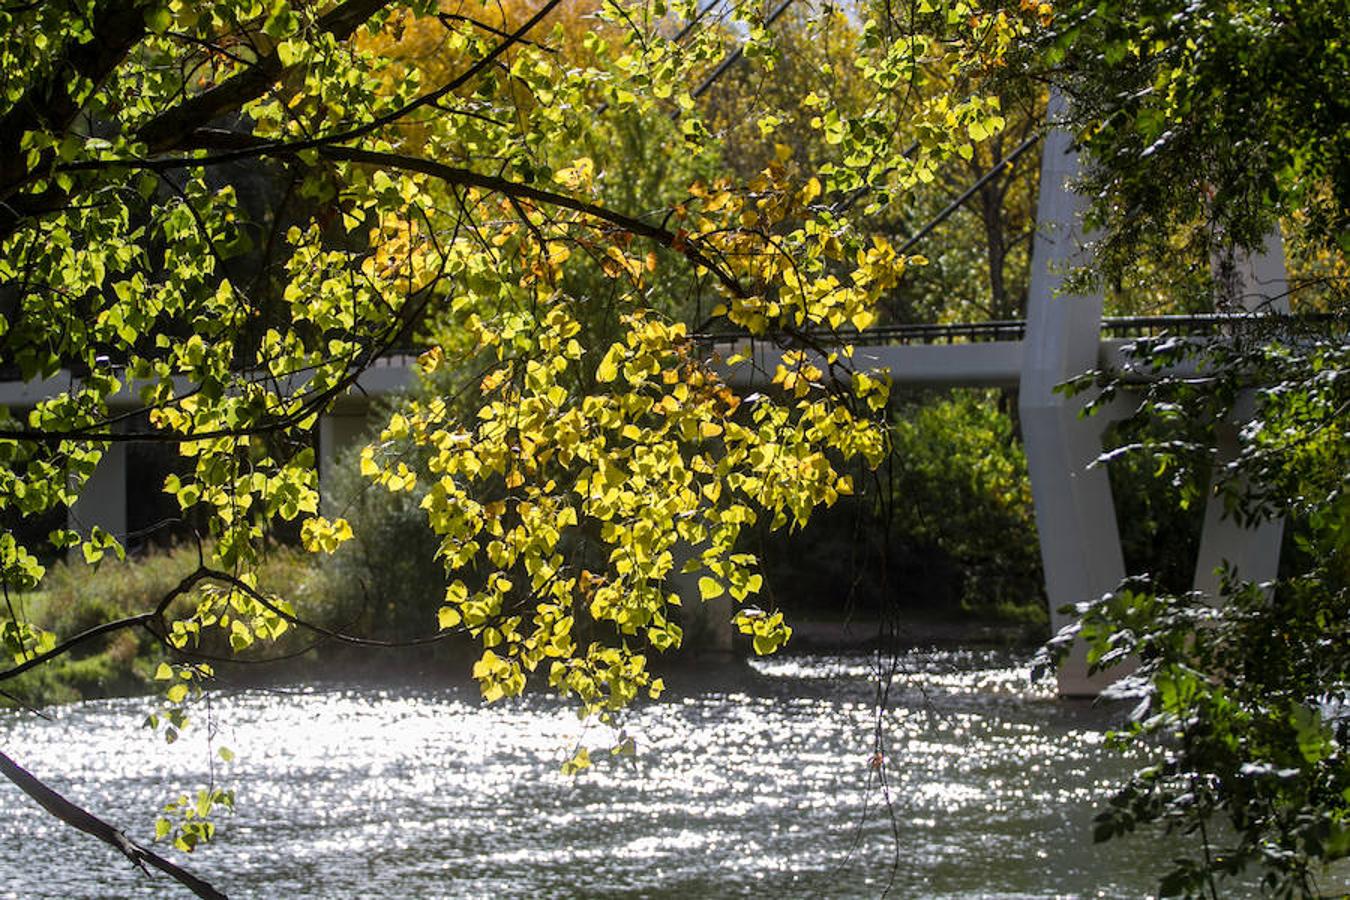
{"x": 771, "y": 786}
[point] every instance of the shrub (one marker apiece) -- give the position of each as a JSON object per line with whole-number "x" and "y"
{"x": 961, "y": 498}
{"x": 76, "y": 597}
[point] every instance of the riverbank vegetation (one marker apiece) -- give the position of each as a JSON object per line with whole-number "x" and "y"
{"x": 216, "y": 218}
{"x": 1211, "y": 129}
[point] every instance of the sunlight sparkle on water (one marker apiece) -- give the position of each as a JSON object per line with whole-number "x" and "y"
{"x": 769, "y": 785}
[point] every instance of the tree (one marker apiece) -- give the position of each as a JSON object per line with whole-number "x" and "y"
{"x": 1208, "y": 126}
{"x": 225, "y": 212}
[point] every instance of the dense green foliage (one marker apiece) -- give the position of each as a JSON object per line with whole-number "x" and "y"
{"x": 962, "y": 499}
{"x": 1209, "y": 123}
{"x": 1241, "y": 697}
{"x": 1208, "y": 126}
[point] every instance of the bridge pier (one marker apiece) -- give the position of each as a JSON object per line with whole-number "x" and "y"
{"x": 1075, "y": 513}
{"x": 1253, "y": 553}
{"x": 1252, "y": 282}
{"x": 103, "y": 502}
{"x": 338, "y": 430}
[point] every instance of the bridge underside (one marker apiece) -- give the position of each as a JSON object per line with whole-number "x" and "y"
{"x": 1075, "y": 513}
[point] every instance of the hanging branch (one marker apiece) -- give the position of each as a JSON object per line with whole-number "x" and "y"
{"x": 82, "y": 819}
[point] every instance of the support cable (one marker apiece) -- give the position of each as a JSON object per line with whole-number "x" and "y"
{"x": 733, "y": 57}
{"x": 969, "y": 192}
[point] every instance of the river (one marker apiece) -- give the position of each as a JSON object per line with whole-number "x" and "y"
{"x": 760, "y": 780}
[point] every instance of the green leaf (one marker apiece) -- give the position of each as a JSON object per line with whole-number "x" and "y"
{"x": 158, "y": 19}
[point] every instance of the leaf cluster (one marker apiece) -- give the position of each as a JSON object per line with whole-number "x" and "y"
{"x": 1242, "y": 696}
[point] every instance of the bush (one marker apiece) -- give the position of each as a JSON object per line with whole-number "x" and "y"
{"x": 76, "y": 597}
{"x": 386, "y": 582}
{"x": 962, "y": 501}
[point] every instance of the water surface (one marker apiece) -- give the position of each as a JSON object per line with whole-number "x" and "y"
{"x": 758, "y": 781}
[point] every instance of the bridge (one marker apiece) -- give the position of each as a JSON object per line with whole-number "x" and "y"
{"x": 972, "y": 354}
{"x": 1063, "y": 336}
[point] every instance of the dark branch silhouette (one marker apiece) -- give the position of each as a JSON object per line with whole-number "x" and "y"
{"x": 49, "y": 103}
{"x": 144, "y": 620}
{"x": 166, "y": 130}
{"x": 78, "y": 817}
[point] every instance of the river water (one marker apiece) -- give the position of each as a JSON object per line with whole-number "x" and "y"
{"x": 757, "y": 781}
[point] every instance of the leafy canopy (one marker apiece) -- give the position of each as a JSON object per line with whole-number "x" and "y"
{"x": 215, "y": 216}
{"x": 1209, "y": 126}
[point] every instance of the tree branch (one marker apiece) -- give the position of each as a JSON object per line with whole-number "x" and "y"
{"x": 82, "y": 819}
{"x": 172, "y": 128}
{"x": 117, "y": 27}
{"x": 251, "y": 146}
{"x": 516, "y": 190}
{"x": 261, "y": 147}
{"x": 167, "y": 129}
{"x": 143, "y": 619}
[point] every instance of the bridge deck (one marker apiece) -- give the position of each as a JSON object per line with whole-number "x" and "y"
{"x": 982, "y": 354}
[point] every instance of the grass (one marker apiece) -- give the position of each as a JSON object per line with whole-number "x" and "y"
{"x": 76, "y": 597}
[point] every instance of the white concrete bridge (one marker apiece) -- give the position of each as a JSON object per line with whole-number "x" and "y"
{"x": 1063, "y": 336}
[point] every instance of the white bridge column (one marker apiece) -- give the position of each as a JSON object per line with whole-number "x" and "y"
{"x": 1254, "y": 282}
{"x": 1253, "y": 553}
{"x": 1075, "y": 515}
{"x": 103, "y": 502}
{"x": 337, "y": 432}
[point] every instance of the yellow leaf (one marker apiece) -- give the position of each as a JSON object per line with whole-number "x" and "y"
{"x": 809, "y": 192}
{"x": 708, "y": 588}
{"x": 580, "y": 761}
{"x": 429, "y": 361}
{"x": 448, "y": 617}
{"x": 862, "y": 318}
{"x": 609, "y": 365}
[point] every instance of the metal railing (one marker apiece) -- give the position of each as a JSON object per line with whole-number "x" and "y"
{"x": 1200, "y": 325}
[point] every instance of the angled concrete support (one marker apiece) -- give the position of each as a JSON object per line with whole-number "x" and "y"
{"x": 708, "y": 627}
{"x": 337, "y": 432}
{"x": 1252, "y": 282}
{"x": 1252, "y": 553}
{"x": 1075, "y": 515}
{"x": 103, "y": 502}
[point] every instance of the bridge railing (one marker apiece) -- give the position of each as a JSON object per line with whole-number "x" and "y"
{"x": 1200, "y": 325}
